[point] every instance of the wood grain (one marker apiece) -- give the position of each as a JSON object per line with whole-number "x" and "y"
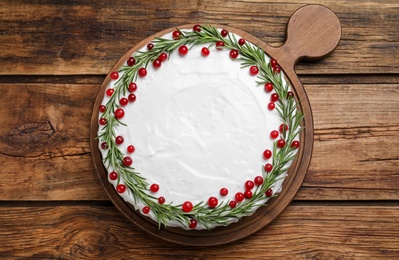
{"x": 85, "y": 37}
{"x": 54, "y": 56}
{"x": 313, "y": 32}
{"x": 362, "y": 146}
{"x": 45, "y": 145}
{"x": 84, "y": 232}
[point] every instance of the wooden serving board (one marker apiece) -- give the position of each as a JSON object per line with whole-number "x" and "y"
{"x": 313, "y": 32}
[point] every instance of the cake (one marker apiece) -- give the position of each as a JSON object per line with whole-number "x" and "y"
{"x": 198, "y": 128}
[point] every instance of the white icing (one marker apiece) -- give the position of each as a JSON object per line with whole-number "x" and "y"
{"x": 199, "y": 124}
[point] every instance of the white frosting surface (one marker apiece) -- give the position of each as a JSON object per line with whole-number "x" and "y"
{"x": 198, "y": 124}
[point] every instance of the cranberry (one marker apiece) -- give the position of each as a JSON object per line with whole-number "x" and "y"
{"x": 295, "y": 144}
{"x": 163, "y": 57}
{"x": 127, "y": 161}
{"x": 120, "y": 188}
{"x": 119, "y": 113}
{"x": 274, "y": 97}
{"x": 176, "y": 34}
{"x": 131, "y": 149}
{"x": 219, "y": 45}
{"x": 212, "y": 202}
{"x": 271, "y": 106}
{"x": 197, "y": 28}
{"x": 224, "y": 191}
{"x": 283, "y": 128}
{"x": 183, "y": 50}
{"x": 154, "y": 187}
{"x": 193, "y": 223}
{"x": 277, "y": 69}
{"x": 258, "y": 180}
{"x": 103, "y": 121}
{"x": 233, "y": 54}
{"x": 232, "y": 204}
{"x": 161, "y": 200}
{"x": 239, "y": 196}
{"x": 119, "y": 139}
{"x": 205, "y": 51}
{"x": 274, "y": 134}
{"x": 123, "y": 101}
{"x": 249, "y": 185}
{"x": 253, "y": 70}
{"x": 146, "y": 209}
{"x": 241, "y": 41}
{"x": 150, "y": 46}
{"x": 269, "y": 193}
{"x": 132, "y": 87}
{"x": 273, "y": 63}
{"x": 109, "y": 92}
{"x": 143, "y": 72}
{"x": 248, "y": 194}
{"x": 104, "y": 146}
{"x": 131, "y": 97}
{"x": 156, "y": 63}
{"x": 102, "y": 108}
{"x": 268, "y": 167}
{"x": 131, "y": 61}
{"x": 268, "y": 87}
{"x": 187, "y": 206}
{"x": 113, "y": 176}
{"x": 114, "y": 75}
{"x": 281, "y": 143}
{"x": 267, "y": 154}
{"x": 224, "y": 33}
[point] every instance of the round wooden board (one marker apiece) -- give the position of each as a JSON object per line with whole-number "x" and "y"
{"x": 287, "y": 55}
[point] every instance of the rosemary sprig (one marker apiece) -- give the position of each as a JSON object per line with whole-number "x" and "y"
{"x": 222, "y": 214}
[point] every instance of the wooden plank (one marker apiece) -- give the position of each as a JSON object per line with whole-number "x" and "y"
{"x": 306, "y": 79}
{"x": 44, "y": 142}
{"x": 301, "y": 231}
{"x": 321, "y": 193}
{"x": 85, "y": 37}
{"x": 349, "y": 79}
{"x": 44, "y": 145}
{"x": 360, "y": 136}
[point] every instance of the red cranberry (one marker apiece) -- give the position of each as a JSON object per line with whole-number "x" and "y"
{"x": 113, "y": 176}
{"x": 267, "y": 154}
{"x": 197, "y": 28}
{"x": 187, "y": 206}
{"x": 193, "y": 223}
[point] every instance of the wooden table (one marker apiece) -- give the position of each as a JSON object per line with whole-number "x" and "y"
{"x": 54, "y": 56}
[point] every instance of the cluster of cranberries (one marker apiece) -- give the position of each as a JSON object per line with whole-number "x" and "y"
{"x": 269, "y": 86}
{"x": 187, "y": 206}
{"x": 274, "y": 65}
{"x": 254, "y": 70}
{"x": 280, "y": 143}
{"x": 119, "y": 113}
{"x": 183, "y": 50}
{"x": 283, "y": 127}
{"x": 121, "y": 188}
{"x": 161, "y": 200}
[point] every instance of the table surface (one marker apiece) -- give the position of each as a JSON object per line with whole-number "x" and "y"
{"x": 54, "y": 56}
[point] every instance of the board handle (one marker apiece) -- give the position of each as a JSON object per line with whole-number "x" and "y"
{"x": 313, "y": 32}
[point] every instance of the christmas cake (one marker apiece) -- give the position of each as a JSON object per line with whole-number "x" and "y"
{"x": 198, "y": 128}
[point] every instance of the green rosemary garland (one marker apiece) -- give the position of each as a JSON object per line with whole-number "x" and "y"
{"x": 222, "y": 214}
